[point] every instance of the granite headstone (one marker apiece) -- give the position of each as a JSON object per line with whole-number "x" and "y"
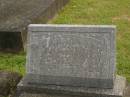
{"x": 73, "y": 58}
{"x": 72, "y": 55}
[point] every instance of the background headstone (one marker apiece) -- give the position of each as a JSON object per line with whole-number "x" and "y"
{"x": 16, "y": 15}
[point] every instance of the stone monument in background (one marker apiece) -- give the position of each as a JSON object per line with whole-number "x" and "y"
{"x": 71, "y": 61}
{"x": 16, "y": 15}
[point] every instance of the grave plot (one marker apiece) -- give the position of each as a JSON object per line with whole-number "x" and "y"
{"x": 72, "y": 61}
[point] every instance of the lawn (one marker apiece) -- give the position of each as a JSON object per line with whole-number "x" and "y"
{"x": 13, "y": 62}
{"x": 115, "y": 12}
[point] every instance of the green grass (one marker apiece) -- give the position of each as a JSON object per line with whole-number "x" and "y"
{"x": 12, "y": 62}
{"x": 106, "y": 12}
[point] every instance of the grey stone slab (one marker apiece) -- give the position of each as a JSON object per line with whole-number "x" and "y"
{"x": 33, "y": 90}
{"x": 75, "y": 55}
{"x": 15, "y": 15}
{"x": 127, "y": 91}
{"x": 68, "y": 81}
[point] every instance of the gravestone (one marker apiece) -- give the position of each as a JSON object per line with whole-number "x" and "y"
{"x": 72, "y": 59}
{"x": 16, "y": 15}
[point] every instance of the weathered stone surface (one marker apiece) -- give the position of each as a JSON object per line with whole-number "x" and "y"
{"x": 15, "y": 15}
{"x": 71, "y": 61}
{"x": 72, "y": 55}
{"x": 8, "y": 82}
{"x": 127, "y": 92}
{"x": 32, "y": 90}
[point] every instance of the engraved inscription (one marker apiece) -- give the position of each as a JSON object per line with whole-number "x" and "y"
{"x": 70, "y": 53}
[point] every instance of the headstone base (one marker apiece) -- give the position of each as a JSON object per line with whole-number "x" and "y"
{"x": 27, "y": 90}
